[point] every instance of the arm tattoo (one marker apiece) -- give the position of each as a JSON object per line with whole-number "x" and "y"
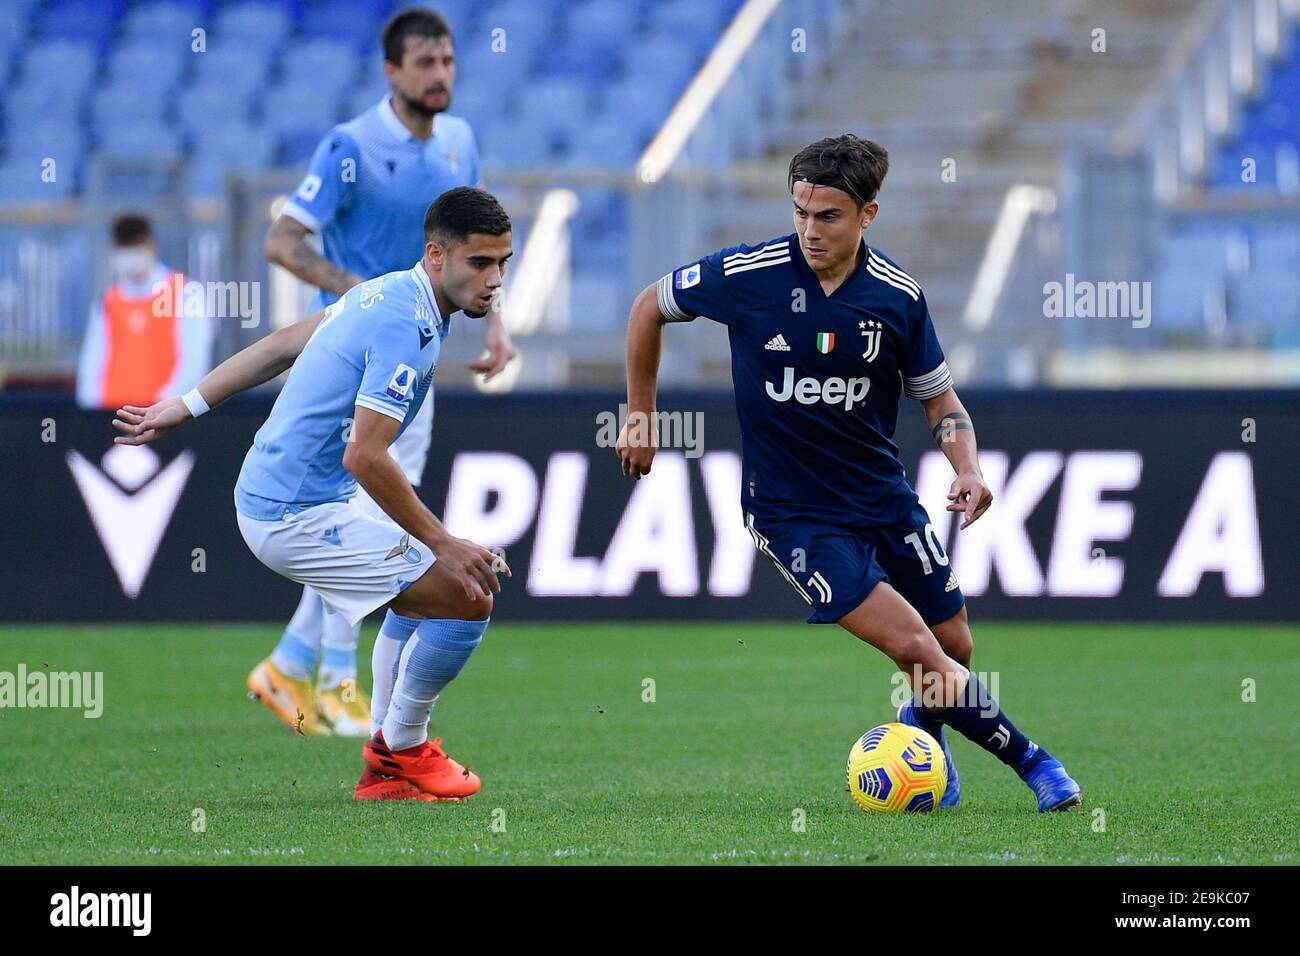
{"x": 316, "y": 269}
{"x": 947, "y": 427}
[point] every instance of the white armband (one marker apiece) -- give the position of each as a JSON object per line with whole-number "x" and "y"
{"x": 194, "y": 402}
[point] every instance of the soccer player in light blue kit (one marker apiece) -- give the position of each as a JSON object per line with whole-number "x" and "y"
{"x": 365, "y": 194}
{"x": 361, "y": 371}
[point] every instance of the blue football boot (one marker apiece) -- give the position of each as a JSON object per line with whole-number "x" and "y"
{"x": 951, "y": 793}
{"x": 1047, "y": 778}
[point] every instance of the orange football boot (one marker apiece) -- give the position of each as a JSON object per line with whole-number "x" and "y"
{"x": 377, "y": 786}
{"x": 425, "y": 766}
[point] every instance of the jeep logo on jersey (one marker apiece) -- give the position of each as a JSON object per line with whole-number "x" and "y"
{"x": 810, "y": 391}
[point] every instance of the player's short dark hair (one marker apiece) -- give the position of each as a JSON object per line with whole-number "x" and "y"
{"x": 411, "y": 22}
{"x": 131, "y": 229}
{"x": 457, "y": 213}
{"x": 855, "y": 165}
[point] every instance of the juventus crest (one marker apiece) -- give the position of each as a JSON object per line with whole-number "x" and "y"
{"x": 873, "y": 332}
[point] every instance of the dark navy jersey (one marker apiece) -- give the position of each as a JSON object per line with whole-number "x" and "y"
{"x": 817, "y": 377}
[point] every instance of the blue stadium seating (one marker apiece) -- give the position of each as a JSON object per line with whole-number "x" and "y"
{"x": 232, "y": 66}
{"x": 169, "y": 21}
{"x": 1238, "y": 265}
{"x": 207, "y": 105}
{"x": 259, "y": 26}
{"x": 116, "y": 106}
{"x": 320, "y": 64}
{"x": 147, "y": 63}
{"x": 63, "y": 65}
{"x": 353, "y": 23}
{"x": 90, "y": 20}
{"x": 581, "y": 85}
{"x": 21, "y": 183}
{"x": 33, "y": 103}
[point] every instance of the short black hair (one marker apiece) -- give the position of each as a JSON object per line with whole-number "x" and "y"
{"x": 461, "y": 211}
{"x": 411, "y": 22}
{"x": 131, "y": 229}
{"x": 855, "y": 165}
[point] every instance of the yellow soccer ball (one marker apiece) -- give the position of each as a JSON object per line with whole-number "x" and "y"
{"x": 895, "y": 768}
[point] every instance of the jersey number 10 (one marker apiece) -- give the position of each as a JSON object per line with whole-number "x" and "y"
{"x": 936, "y": 548}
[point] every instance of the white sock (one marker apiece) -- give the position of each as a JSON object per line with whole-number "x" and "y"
{"x": 338, "y": 641}
{"x": 393, "y": 635}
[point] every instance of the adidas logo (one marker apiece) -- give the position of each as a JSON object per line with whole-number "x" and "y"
{"x": 777, "y": 344}
{"x": 952, "y": 583}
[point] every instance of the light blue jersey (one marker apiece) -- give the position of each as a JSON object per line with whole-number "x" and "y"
{"x": 377, "y": 347}
{"x": 370, "y": 183}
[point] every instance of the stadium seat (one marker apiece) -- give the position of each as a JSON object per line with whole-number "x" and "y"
{"x": 510, "y": 147}
{"x": 294, "y": 108}
{"x": 595, "y": 301}
{"x": 690, "y": 23}
{"x": 222, "y": 146}
{"x": 126, "y": 106}
{"x": 351, "y": 23}
{"x": 320, "y": 64}
{"x": 663, "y": 62}
{"x": 259, "y": 26}
{"x": 643, "y": 107}
{"x": 479, "y": 65}
{"x": 607, "y": 143}
{"x": 13, "y": 28}
{"x": 602, "y": 19}
{"x": 208, "y": 104}
{"x": 1277, "y": 248}
{"x": 587, "y": 60}
{"x": 1267, "y": 300}
{"x": 147, "y": 63}
{"x": 32, "y": 103}
{"x": 232, "y": 67}
{"x": 1229, "y": 164}
{"x": 559, "y": 106}
{"x": 87, "y": 20}
{"x": 1178, "y": 300}
{"x": 21, "y": 182}
{"x": 63, "y": 65}
{"x": 140, "y": 140}
{"x": 481, "y": 104}
{"x": 525, "y": 23}
{"x": 234, "y": 143}
{"x": 169, "y": 21}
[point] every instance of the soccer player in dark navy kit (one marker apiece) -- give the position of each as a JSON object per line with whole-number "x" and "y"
{"x": 826, "y": 332}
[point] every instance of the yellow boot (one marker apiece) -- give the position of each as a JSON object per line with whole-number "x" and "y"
{"x": 289, "y": 699}
{"x": 346, "y": 707}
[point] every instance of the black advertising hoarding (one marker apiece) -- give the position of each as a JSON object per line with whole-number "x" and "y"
{"x": 1119, "y": 506}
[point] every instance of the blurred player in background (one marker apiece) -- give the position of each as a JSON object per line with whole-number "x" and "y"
{"x": 365, "y": 194}
{"x": 825, "y": 333}
{"x": 145, "y": 339}
{"x": 361, "y": 370}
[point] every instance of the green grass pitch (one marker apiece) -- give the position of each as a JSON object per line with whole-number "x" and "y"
{"x": 747, "y": 736}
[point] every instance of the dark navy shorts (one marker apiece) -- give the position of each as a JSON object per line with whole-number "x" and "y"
{"x": 834, "y": 569}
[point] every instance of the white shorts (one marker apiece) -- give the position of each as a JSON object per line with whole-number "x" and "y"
{"x": 357, "y": 561}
